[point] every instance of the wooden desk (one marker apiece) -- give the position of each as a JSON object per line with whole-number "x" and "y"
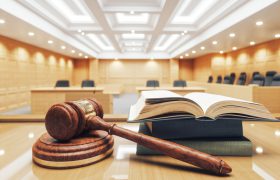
{"x": 15, "y": 159}
{"x": 268, "y": 96}
{"x": 178, "y": 90}
{"x": 43, "y": 98}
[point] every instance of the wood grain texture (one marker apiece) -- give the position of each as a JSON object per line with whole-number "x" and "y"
{"x": 24, "y": 67}
{"x": 86, "y": 149}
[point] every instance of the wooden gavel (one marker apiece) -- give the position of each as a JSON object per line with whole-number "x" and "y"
{"x": 67, "y": 120}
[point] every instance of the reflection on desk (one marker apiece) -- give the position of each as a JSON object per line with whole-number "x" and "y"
{"x": 15, "y": 160}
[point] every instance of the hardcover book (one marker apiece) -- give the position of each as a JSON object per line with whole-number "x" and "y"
{"x": 238, "y": 146}
{"x": 192, "y": 128}
{"x": 165, "y": 105}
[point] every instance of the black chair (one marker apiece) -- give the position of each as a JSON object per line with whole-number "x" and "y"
{"x": 152, "y": 83}
{"x": 253, "y": 75}
{"x": 227, "y": 80}
{"x": 242, "y": 79}
{"x": 219, "y": 79}
{"x": 88, "y": 83}
{"x": 62, "y": 83}
{"x": 179, "y": 83}
{"x": 210, "y": 79}
{"x": 275, "y": 80}
{"x": 258, "y": 79}
{"x": 232, "y": 76}
{"x": 268, "y": 77}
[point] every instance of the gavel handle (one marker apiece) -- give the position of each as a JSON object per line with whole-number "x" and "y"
{"x": 183, "y": 153}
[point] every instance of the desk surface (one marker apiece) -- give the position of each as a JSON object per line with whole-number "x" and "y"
{"x": 67, "y": 89}
{"x": 17, "y": 139}
{"x": 171, "y": 88}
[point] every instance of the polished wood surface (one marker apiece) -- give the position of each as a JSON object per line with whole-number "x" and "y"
{"x": 41, "y": 118}
{"x": 178, "y": 90}
{"x": 43, "y": 98}
{"x": 88, "y": 148}
{"x": 16, "y": 163}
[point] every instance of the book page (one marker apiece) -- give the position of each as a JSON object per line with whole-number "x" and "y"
{"x": 205, "y": 100}
{"x": 158, "y": 94}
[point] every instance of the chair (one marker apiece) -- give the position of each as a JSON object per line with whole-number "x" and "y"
{"x": 232, "y": 78}
{"x": 253, "y": 75}
{"x": 88, "y": 83}
{"x": 258, "y": 79}
{"x": 179, "y": 83}
{"x": 227, "y": 79}
{"x": 62, "y": 83}
{"x": 268, "y": 77}
{"x": 152, "y": 83}
{"x": 275, "y": 80}
{"x": 242, "y": 78}
{"x": 210, "y": 79}
{"x": 219, "y": 79}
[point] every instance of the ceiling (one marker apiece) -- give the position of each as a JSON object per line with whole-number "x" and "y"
{"x": 139, "y": 29}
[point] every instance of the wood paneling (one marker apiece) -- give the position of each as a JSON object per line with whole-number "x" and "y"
{"x": 23, "y": 66}
{"x": 262, "y": 57}
{"x": 186, "y": 70}
{"x": 81, "y": 71}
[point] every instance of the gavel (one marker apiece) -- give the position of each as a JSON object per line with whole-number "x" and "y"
{"x": 68, "y": 120}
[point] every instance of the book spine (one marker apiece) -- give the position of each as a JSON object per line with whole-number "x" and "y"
{"x": 216, "y": 148}
{"x": 181, "y": 129}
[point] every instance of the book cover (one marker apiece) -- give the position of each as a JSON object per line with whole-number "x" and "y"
{"x": 192, "y": 128}
{"x": 239, "y": 146}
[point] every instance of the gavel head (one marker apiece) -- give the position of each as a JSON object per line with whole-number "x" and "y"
{"x": 67, "y": 120}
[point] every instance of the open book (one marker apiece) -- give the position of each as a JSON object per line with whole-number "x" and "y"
{"x": 165, "y": 105}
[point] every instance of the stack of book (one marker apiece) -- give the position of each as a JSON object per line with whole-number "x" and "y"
{"x": 206, "y": 122}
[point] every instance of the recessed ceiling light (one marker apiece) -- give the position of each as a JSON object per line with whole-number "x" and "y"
{"x": 234, "y": 48}
{"x": 181, "y": 57}
{"x": 259, "y": 23}
{"x": 214, "y": 42}
{"x": 31, "y": 135}
{"x": 86, "y": 57}
{"x": 79, "y": 30}
{"x": 116, "y": 59}
{"x": 277, "y": 133}
{"x": 80, "y": 54}
{"x": 182, "y": 33}
{"x": 277, "y": 35}
{"x": 152, "y": 58}
{"x": 221, "y": 52}
{"x": 2, "y": 152}
{"x": 2, "y": 21}
{"x": 131, "y": 12}
{"x": 231, "y": 35}
{"x": 73, "y": 51}
{"x": 187, "y": 55}
{"x": 202, "y": 47}
{"x": 62, "y": 47}
{"x": 132, "y": 31}
{"x": 252, "y": 43}
{"x": 50, "y": 41}
{"x": 193, "y": 51}
{"x": 31, "y": 34}
{"x": 82, "y": 33}
{"x": 185, "y": 31}
{"x": 259, "y": 150}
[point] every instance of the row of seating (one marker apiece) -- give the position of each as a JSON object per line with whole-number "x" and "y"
{"x": 176, "y": 83}
{"x": 66, "y": 83}
{"x": 271, "y": 78}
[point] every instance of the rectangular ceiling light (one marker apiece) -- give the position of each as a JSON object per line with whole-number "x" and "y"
{"x": 133, "y": 44}
{"x": 101, "y": 41}
{"x": 141, "y": 18}
{"x": 133, "y": 36}
{"x": 162, "y": 46}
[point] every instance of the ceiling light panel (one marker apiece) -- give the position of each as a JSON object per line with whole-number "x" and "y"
{"x": 124, "y": 18}
{"x": 101, "y": 41}
{"x": 198, "y": 9}
{"x": 165, "y": 42}
{"x": 73, "y": 10}
{"x": 133, "y": 36}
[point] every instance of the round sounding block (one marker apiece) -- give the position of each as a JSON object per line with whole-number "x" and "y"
{"x": 81, "y": 151}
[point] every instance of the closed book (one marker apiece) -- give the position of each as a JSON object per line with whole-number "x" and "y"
{"x": 238, "y": 146}
{"x": 193, "y": 128}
